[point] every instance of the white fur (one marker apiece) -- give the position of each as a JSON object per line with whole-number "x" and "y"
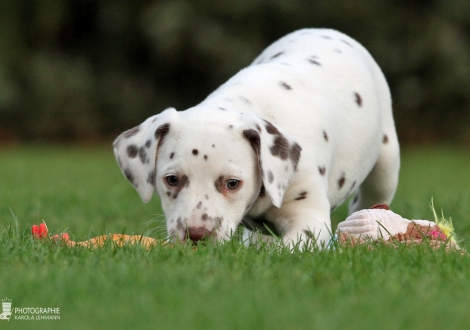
{"x": 316, "y": 88}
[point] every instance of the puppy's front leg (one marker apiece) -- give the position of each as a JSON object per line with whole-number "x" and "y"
{"x": 256, "y": 238}
{"x": 303, "y": 222}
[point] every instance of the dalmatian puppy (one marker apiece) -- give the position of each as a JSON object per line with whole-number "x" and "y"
{"x": 286, "y": 140}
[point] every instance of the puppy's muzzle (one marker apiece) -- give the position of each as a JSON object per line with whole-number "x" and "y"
{"x": 196, "y": 234}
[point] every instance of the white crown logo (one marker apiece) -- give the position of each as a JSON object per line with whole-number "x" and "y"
{"x": 6, "y": 308}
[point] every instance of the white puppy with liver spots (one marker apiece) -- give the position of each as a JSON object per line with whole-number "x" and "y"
{"x": 286, "y": 140}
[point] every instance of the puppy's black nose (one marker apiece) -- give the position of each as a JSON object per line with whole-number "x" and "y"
{"x": 196, "y": 234}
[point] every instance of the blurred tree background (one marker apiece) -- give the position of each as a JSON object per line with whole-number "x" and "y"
{"x": 84, "y": 70}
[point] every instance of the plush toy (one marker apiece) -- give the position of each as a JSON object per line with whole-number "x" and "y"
{"x": 377, "y": 224}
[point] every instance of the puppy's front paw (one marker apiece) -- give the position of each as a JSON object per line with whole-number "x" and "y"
{"x": 305, "y": 239}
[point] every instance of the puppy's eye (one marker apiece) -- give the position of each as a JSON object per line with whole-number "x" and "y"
{"x": 232, "y": 183}
{"x": 172, "y": 180}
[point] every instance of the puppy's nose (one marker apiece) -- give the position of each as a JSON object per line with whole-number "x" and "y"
{"x": 198, "y": 233}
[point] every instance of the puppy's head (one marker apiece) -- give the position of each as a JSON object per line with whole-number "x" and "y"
{"x": 208, "y": 167}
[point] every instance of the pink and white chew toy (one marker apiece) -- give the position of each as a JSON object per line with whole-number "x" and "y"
{"x": 380, "y": 224}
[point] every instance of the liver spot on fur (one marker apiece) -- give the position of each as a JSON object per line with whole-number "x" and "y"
{"x": 280, "y": 147}
{"x": 277, "y": 55}
{"x": 219, "y": 184}
{"x": 162, "y": 130}
{"x": 130, "y": 176}
{"x": 301, "y": 196}
{"x": 341, "y": 181}
{"x": 179, "y": 224}
{"x": 270, "y": 177}
{"x": 356, "y": 198}
{"x": 195, "y": 152}
{"x": 132, "y": 151}
{"x": 358, "y": 99}
{"x": 294, "y": 154}
{"x": 160, "y": 133}
{"x": 309, "y": 234}
{"x": 285, "y": 85}
{"x": 253, "y": 137}
{"x": 313, "y": 60}
{"x": 322, "y": 170}
{"x": 352, "y": 186}
{"x": 184, "y": 183}
{"x": 270, "y": 128}
{"x": 151, "y": 178}
{"x": 385, "y": 139}
{"x": 143, "y": 155}
{"x": 244, "y": 100}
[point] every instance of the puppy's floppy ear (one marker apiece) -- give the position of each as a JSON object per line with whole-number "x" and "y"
{"x": 136, "y": 151}
{"x": 278, "y": 155}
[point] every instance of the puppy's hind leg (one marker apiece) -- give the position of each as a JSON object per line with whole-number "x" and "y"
{"x": 381, "y": 183}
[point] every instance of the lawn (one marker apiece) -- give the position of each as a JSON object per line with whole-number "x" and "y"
{"x": 218, "y": 286}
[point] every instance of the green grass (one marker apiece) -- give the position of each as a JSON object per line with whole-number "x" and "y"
{"x": 219, "y": 286}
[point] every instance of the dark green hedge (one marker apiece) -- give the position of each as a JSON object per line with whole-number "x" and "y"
{"x": 85, "y": 70}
